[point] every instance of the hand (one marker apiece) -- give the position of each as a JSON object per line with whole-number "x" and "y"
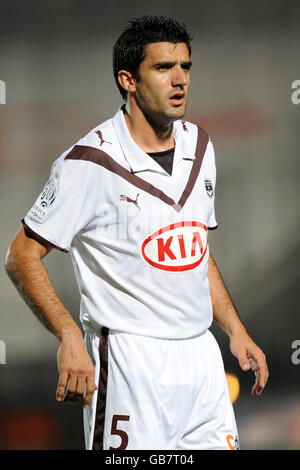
{"x": 76, "y": 370}
{"x": 250, "y": 356}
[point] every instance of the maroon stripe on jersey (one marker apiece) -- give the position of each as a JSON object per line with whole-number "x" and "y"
{"x": 91, "y": 154}
{"x": 200, "y": 151}
{"x": 102, "y": 389}
{"x": 35, "y": 236}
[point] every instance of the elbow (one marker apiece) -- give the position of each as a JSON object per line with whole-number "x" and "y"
{"x": 21, "y": 254}
{"x": 13, "y": 259}
{"x": 9, "y": 262}
{"x": 14, "y": 254}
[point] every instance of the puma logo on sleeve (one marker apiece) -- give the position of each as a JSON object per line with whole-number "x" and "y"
{"x": 102, "y": 141}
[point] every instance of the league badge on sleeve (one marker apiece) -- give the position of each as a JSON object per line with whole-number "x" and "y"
{"x": 44, "y": 201}
{"x": 209, "y": 188}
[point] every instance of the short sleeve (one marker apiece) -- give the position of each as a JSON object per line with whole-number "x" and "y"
{"x": 67, "y": 203}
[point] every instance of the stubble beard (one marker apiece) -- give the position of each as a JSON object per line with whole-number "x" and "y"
{"x": 163, "y": 116}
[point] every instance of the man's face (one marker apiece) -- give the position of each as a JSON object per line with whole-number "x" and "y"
{"x": 163, "y": 81}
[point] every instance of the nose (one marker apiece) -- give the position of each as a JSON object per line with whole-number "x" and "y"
{"x": 180, "y": 77}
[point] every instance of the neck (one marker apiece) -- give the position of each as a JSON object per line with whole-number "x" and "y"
{"x": 149, "y": 135}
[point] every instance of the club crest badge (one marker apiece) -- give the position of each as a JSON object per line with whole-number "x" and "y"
{"x": 209, "y": 188}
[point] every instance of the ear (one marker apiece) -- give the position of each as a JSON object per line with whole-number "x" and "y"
{"x": 127, "y": 81}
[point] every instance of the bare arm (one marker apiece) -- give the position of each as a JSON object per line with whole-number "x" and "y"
{"x": 26, "y": 270}
{"x": 242, "y": 346}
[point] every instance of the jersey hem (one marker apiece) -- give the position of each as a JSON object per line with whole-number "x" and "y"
{"x": 43, "y": 241}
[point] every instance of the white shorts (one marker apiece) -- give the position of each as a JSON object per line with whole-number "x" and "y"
{"x": 158, "y": 394}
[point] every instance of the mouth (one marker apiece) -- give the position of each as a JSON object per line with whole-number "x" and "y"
{"x": 178, "y": 98}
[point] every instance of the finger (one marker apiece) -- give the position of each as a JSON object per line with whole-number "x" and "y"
{"x": 80, "y": 389}
{"x": 253, "y": 364}
{"x": 261, "y": 369}
{"x": 70, "y": 388}
{"x": 244, "y": 363}
{"x": 262, "y": 382}
{"x": 262, "y": 375}
{"x": 263, "y": 378}
{"x": 62, "y": 383}
{"x": 90, "y": 390}
{"x": 256, "y": 389}
{"x": 78, "y": 394}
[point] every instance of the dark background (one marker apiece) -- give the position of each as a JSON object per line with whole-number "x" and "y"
{"x": 55, "y": 58}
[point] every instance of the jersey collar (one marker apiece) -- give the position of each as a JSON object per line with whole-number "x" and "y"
{"x": 137, "y": 159}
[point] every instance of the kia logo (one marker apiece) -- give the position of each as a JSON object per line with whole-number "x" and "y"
{"x": 177, "y": 247}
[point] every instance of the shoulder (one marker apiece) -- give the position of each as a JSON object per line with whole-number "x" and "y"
{"x": 189, "y": 130}
{"x": 193, "y": 139}
{"x": 98, "y": 137}
{"x": 98, "y": 140}
{"x": 187, "y": 126}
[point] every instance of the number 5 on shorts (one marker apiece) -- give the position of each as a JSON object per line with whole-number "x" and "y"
{"x": 119, "y": 432}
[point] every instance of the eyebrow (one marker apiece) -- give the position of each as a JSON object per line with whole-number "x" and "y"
{"x": 187, "y": 64}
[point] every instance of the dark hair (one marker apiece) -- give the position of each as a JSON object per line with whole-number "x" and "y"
{"x": 129, "y": 49}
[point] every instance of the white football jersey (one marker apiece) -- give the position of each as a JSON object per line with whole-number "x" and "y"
{"x": 137, "y": 235}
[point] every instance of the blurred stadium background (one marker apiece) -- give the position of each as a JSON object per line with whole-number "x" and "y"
{"x": 55, "y": 58}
